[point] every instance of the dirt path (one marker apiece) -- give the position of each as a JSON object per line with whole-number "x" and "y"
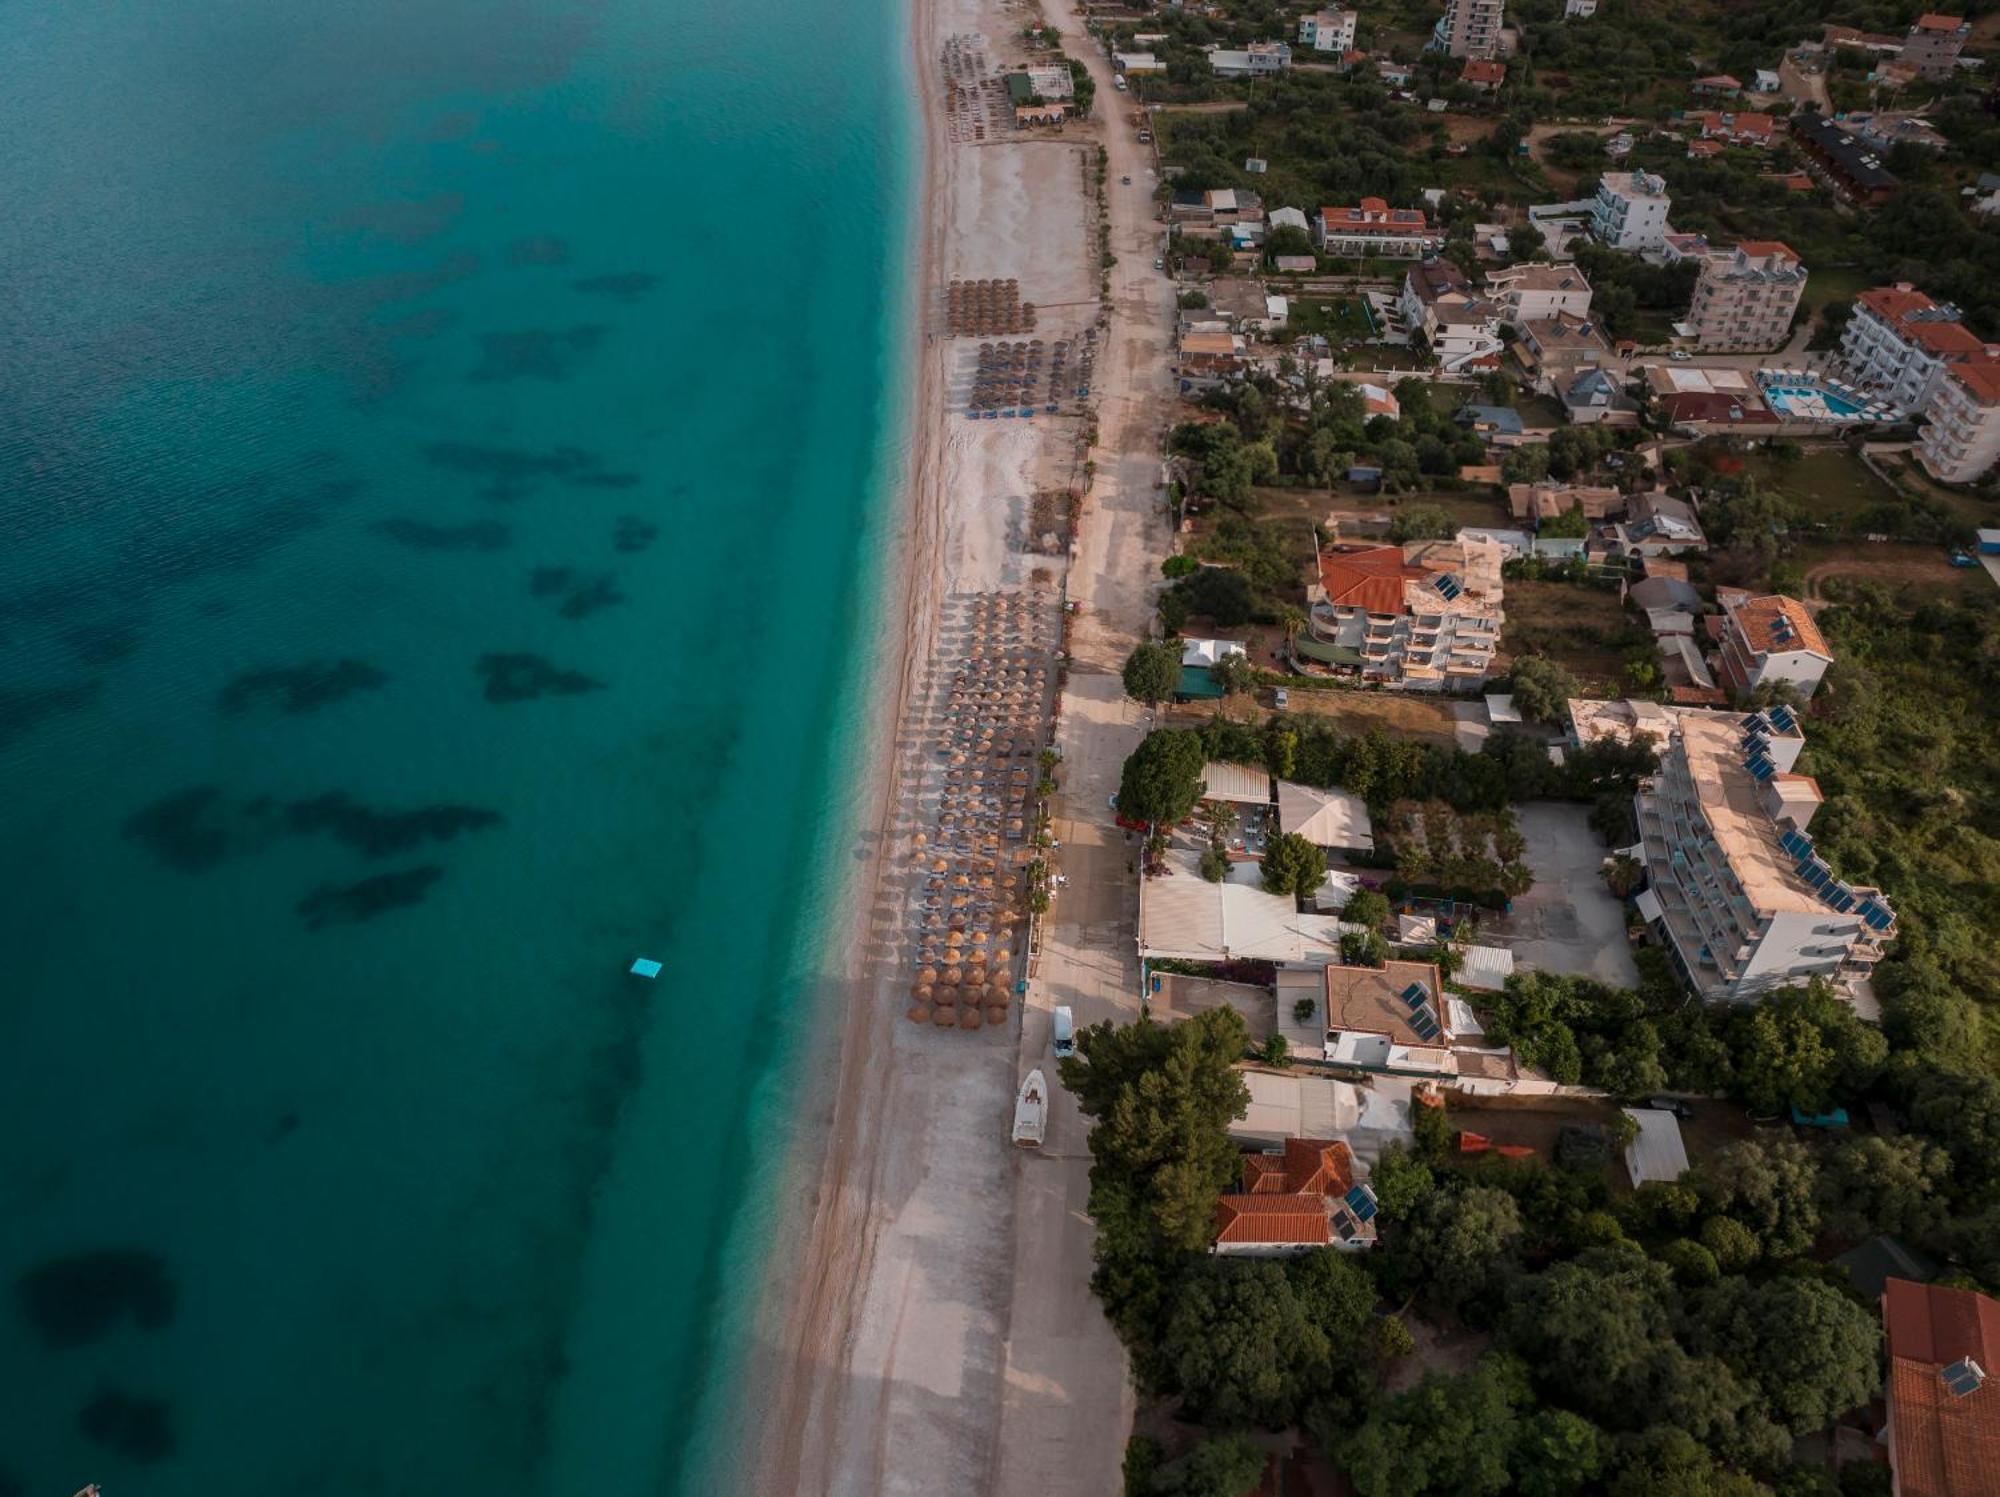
{"x": 1068, "y": 1401}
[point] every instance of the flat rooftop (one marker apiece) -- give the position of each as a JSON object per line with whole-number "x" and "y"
{"x": 1734, "y": 806}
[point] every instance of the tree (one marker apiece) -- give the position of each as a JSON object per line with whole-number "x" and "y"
{"x": 1623, "y": 874}
{"x": 1369, "y": 907}
{"x": 1454, "y": 1245}
{"x": 1810, "y": 1348}
{"x": 1225, "y": 1467}
{"x": 1555, "y": 1453}
{"x": 1161, "y": 1100}
{"x": 1152, "y": 672}
{"x": 1424, "y": 522}
{"x": 1593, "y": 1326}
{"x": 1235, "y": 674}
{"x": 1768, "y": 1187}
{"x": 1668, "y": 1462}
{"x": 1446, "y": 1437}
{"x": 1803, "y": 1048}
{"x": 1733, "y": 1246}
{"x": 1162, "y": 779}
{"x": 1874, "y": 1184}
{"x": 1239, "y": 1345}
{"x": 1541, "y": 689}
{"x": 1335, "y": 1292}
{"x": 1400, "y": 1181}
{"x": 1294, "y": 866}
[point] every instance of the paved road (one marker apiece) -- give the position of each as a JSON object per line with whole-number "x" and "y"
{"x": 1067, "y": 1404}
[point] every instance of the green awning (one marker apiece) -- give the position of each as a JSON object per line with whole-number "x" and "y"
{"x": 1326, "y": 654}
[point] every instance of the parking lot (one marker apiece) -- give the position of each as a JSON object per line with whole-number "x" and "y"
{"x": 1568, "y": 922}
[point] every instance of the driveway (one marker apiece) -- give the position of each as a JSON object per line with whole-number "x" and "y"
{"x": 1568, "y": 922}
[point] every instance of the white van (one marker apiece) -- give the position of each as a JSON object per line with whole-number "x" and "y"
{"x": 1065, "y": 1033}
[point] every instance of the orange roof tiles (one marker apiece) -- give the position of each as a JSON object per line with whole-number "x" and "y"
{"x": 1932, "y": 21}
{"x": 1373, "y": 213}
{"x": 1478, "y": 71}
{"x": 1369, "y": 577}
{"x": 1946, "y": 338}
{"x": 1310, "y": 1166}
{"x": 1272, "y": 1219}
{"x": 1894, "y": 303}
{"x": 1981, "y": 379}
{"x": 1757, "y": 248}
{"x": 1757, "y": 621}
{"x": 1944, "y": 1445}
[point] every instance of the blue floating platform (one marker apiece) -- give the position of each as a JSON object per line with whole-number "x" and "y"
{"x": 645, "y": 966}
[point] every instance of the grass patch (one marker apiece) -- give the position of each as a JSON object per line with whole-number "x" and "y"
{"x": 1339, "y": 320}
{"x": 1828, "y": 484}
{"x": 1584, "y": 628}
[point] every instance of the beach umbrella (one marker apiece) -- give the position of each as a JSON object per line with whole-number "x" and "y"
{"x": 996, "y": 1013}
{"x": 927, "y": 975}
{"x": 944, "y": 1015}
{"x": 920, "y": 1013}
{"x": 970, "y": 1018}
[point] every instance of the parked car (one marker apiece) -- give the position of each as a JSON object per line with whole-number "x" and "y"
{"x": 1675, "y": 1105}
{"x": 1680, "y": 355}
{"x": 1126, "y": 180}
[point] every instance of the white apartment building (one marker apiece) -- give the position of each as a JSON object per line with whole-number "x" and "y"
{"x": 1460, "y": 326}
{"x": 1771, "y": 639}
{"x": 1537, "y": 292}
{"x": 1735, "y": 889}
{"x": 1469, "y": 28}
{"x": 1424, "y": 616}
{"x": 1258, "y": 60}
{"x": 1630, "y": 211}
{"x": 1327, "y": 30}
{"x": 1899, "y": 343}
{"x": 1962, "y": 442}
{"x": 1746, "y": 297}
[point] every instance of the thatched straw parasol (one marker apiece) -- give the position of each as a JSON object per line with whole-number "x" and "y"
{"x": 920, "y": 1013}
{"x": 996, "y": 1013}
{"x": 953, "y": 976}
{"x": 927, "y": 975}
{"x": 944, "y": 1015}
{"x": 970, "y": 1019}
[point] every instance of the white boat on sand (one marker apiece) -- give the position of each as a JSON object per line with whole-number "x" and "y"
{"x": 1031, "y": 1111}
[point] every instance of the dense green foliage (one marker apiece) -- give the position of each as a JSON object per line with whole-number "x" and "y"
{"x": 1162, "y": 780}
{"x": 1152, "y": 671}
{"x": 1292, "y": 865}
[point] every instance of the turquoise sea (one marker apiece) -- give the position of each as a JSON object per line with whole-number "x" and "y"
{"x": 446, "y": 452}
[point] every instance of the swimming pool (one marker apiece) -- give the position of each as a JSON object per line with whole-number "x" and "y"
{"x": 1811, "y": 403}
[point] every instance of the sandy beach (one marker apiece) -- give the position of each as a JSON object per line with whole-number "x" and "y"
{"x": 889, "y": 1358}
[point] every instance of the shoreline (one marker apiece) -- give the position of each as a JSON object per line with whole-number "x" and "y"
{"x": 808, "y": 1299}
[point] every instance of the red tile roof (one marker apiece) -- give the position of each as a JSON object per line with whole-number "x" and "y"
{"x": 1373, "y": 214}
{"x": 1278, "y": 1220}
{"x": 1943, "y": 1445}
{"x": 1894, "y": 303}
{"x": 1759, "y": 248}
{"x": 1310, "y": 1166}
{"x": 1478, "y": 71}
{"x": 1757, "y": 621}
{"x": 1369, "y": 577}
{"x": 1946, "y": 338}
{"x": 1932, "y": 21}
{"x": 1981, "y": 379}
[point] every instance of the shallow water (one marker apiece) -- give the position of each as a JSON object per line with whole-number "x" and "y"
{"x": 441, "y": 471}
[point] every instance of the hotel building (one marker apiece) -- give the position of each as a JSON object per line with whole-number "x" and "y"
{"x": 1735, "y": 889}
{"x": 1962, "y": 442}
{"x": 1746, "y": 297}
{"x": 1424, "y": 616}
